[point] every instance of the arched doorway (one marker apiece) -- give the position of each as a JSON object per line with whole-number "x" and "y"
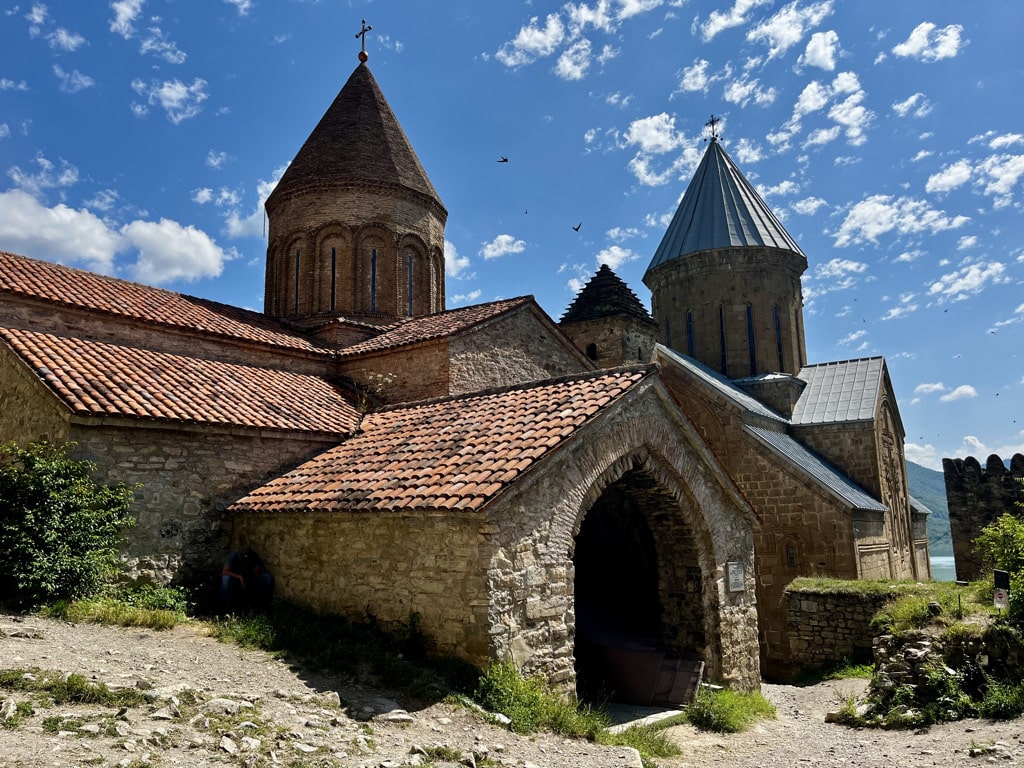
{"x": 640, "y": 629}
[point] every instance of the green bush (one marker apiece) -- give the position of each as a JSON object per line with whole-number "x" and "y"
{"x": 59, "y": 530}
{"x": 1001, "y": 546}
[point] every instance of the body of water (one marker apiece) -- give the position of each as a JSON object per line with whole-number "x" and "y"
{"x": 943, "y": 569}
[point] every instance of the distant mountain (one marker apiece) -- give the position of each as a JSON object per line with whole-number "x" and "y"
{"x": 929, "y": 487}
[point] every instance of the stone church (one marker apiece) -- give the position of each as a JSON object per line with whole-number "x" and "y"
{"x": 615, "y": 501}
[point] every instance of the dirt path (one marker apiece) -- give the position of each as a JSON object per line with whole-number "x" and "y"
{"x": 215, "y": 704}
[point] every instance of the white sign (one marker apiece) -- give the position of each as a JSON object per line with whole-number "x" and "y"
{"x": 1002, "y": 599}
{"x": 737, "y": 576}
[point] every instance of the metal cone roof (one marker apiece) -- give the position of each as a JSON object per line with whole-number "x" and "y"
{"x": 720, "y": 209}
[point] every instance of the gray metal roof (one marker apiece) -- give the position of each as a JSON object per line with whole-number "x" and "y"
{"x": 720, "y": 210}
{"x": 823, "y": 472}
{"x": 847, "y": 390}
{"x": 719, "y": 383}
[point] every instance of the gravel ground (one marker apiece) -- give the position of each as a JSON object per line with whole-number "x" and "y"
{"x": 215, "y": 704}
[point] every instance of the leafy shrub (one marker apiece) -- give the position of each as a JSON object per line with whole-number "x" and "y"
{"x": 727, "y": 711}
{"x": 1001, "y": 545}
{"x": 59, "y": 530}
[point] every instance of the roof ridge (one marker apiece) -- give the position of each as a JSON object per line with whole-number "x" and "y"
{"x": 645, "y": 368}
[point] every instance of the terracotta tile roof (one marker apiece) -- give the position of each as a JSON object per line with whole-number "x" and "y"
{"x": 455, "y": 453}
{"x": 97, "y": 293}
{"x": 94, "y": 378}
{"x": 436, "y": 326}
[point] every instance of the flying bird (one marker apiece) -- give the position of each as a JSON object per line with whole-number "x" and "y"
{"x": 503, "y": 159}
{"x": 577, "y": 227}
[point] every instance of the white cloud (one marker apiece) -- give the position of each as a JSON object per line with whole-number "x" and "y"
{"x": 104, "y": 200}
{"x": 169, "y": 251}
{"x": 60, "y": 233}
{"x": 48, "y": 176}
{"x": 746, "y": 152}
{"x": 852, "y": 338}
{"x": 921, "y": 155}
{"x": 968, "y": 281}
{"x": 618, "y": 100}
{"x": 125, "y": 12}
{"x": 36, "y": 17}
{"x": 502, "y": 245}
{"x": 243, "y": 6}
{"x": 966, "y": 242}
{"x": 853, "y": 117}
{"x": 915, "y": 106}
{"x": 202, "y": 196}
{"x": 695, "y": 76}
{"x": 656, "y": 134}
{"x": 930, "y": 44}
{"x": 615, "y": 256}
{"x": 839, "y": 268}
{"x": 619, "y": 234}
{"x": 808, "y": 206}
{"x": 11, "y": 85}
{"x": 925, "y": 455}
{"x": 465, "y": 298}
{"x": 927, "y": 388}
{"x": 454, "y": 265}
{"x": 900, "y": 311}
{"x": 64, "y": 40}
{"x": 72, "y": 82}
{"x": 180, "y": 101}
{"x": 788, "y": 27}
{"x": 820, "y": 136}
{"x": 786, "y": 187}
{"x": 821, "y": 50}
{"x": 908, "y": 256}
{"x": 532, "y": 42}
{"x": 950, "y": 177}
{"x": 880, "y": 214}
{"x": 1006, "y": 140}
{"x": 813, "y": 97}
{"x": 999, "y": 175}
{"x": 719, "y": 21}
{"x": 155, "y": 43}
{"x": 964, "y": 390}
{"x": 743, "y": 89}
{"x": 574, "y": 61}
{"x": 235, "y": 225}
{"x": 216, "y": 159}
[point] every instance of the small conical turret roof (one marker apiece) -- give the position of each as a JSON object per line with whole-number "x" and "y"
{"x": 720, "y": 209}
{"x": 358, "y": 140}
{"x": 605, "y": 295}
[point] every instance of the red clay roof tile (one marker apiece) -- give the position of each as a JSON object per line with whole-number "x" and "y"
{"x": 454, "y": 438}
{"x": 92, "y": 377}
{"x": 98, "y": 293}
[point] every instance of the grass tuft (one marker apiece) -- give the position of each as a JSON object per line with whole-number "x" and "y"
{"x": 727, "y": 711}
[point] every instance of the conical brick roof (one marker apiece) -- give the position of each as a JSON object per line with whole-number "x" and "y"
{"x": 605, "y": 295}
{"x": 720, "y": 209}
{"x": 358, "y": 140}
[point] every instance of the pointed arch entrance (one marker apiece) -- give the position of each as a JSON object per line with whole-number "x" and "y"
{"x": 640, "y": 619}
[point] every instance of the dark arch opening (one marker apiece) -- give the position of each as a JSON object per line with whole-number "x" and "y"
{"x": 592, "y": 351}
{"x": 638, "y": 598}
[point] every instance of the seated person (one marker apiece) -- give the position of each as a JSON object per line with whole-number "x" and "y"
{"x": 245, "y": 583}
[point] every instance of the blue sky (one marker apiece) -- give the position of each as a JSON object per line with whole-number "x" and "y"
{"x": 139, "y": 138}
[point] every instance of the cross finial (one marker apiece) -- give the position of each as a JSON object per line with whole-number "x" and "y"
{"x": 713, "y": 125}
{"x": 363, "y": 56}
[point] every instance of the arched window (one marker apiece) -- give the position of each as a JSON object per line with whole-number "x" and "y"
{"x": 409, "y": 259}
{"x": 334, "y": 278}
{"x": 721, "y": 338}
{"x": 298, "y": 253}
{"x": 691, "y": 344}
{"x": 792, "y": 556}
{"x": 750, "y": 340}
{"x": 777, "y": 320}
{"x": 592, "y": 351}
{"x": 373, "y": 279}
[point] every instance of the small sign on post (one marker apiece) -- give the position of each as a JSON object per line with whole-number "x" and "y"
{"x": 1002, "y": 585}
{"x": 737, "y": 576}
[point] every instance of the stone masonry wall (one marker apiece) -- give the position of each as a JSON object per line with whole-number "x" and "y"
{"x": 188, "y": 475}
{"x": 29, "y": 412}
{"x": 824, "y": 628}
{"x": 514, "y": 349}
{"x": 388, "y": 565}
{"x": 976, "y": 497}
{"x": 531, "y": 572}
{"x": 417, "y": 373}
